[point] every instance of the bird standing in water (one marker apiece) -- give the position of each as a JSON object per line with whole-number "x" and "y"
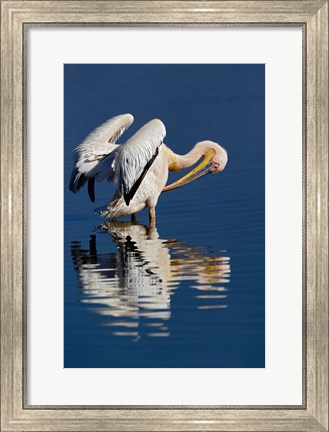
{"x": 139, "y": 167}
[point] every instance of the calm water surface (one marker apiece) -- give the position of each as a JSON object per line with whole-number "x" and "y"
{"x": 191, "y": 292}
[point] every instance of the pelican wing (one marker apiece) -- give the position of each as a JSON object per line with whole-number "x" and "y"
{"x": 93, "y": 158}
{"x": 134, "y": 158}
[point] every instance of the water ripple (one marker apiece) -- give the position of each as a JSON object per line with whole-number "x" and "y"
{"x": 133, "y": 287}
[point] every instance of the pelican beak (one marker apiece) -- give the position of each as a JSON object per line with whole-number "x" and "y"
{"x": 202, "y": 169}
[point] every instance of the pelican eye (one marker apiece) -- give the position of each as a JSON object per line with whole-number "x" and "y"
{"x": 214, "y": 167}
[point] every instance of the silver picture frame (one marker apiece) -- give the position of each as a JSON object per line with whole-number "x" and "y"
{"x": 16, "y": 18}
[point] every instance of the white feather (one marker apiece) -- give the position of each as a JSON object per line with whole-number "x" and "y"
{"x": 101, "y": 139}
{"x": 132, "y": 157}
{"x": 99, "y": 157}
{"x": 97, "y": 146}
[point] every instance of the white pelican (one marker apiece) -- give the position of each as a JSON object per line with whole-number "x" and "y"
{"x": 139, "y": 167}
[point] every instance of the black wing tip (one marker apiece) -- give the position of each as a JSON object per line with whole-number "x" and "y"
{"x": 77, "y": 181}
{"x": 127, "y": 197}
{"x": 130, "y": 195}
{"x": 74, "y": 180}
{"x": 91, "y": 189}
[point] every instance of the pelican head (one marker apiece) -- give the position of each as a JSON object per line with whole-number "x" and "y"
{"x": 217, "y": 157}
{"x": 214, "y": 160}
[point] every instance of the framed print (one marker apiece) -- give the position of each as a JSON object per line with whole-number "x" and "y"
{"x": 157, "y": 306}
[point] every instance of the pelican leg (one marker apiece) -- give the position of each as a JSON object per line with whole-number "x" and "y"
{"x": 133, "y": 218}
{"x": 152, "y": 217}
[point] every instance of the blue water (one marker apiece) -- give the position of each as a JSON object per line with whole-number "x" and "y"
{"x": 191, "y": 292}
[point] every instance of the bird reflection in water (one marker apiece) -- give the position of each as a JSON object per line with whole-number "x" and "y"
{"x": 132, "y": 288}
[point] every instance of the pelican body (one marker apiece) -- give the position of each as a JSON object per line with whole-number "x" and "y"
{"x": 139, "y": 167}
